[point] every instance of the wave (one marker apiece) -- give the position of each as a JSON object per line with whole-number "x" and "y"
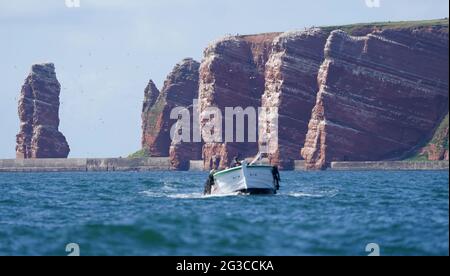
{"x": 318, "y": 194}
{"x": 183, "y": 195}
{"x": 165, "y": 194}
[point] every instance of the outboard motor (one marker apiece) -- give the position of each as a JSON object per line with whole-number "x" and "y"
{"x": 276, "y": 177}
{"x": 209, "y": 183}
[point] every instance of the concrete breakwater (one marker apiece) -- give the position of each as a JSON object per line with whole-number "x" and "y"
{"x": 381, "y": 166}
{"x": 84, "y": 164}
{"x": 391, "y": 165}
{"x": 163, "y": 164}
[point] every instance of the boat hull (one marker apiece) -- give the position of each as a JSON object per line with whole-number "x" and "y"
{"x": 257, "y": 192}
{"x": 244, "y": 180}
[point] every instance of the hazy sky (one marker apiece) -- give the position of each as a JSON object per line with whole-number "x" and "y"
{"x": 105, "y": 52}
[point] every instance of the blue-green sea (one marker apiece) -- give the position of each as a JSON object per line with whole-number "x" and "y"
{"x": 164, "y": 213}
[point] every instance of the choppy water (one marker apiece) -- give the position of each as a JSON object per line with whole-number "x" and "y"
{"x": 164, "y": 213}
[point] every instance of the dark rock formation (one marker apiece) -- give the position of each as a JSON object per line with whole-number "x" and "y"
{"x": 290, "y": 92}
{"x": 151, "y": 94}
{"x": 380, "y": 95}
{"x": 232, "y": 75}
{"x": 180, "y": 88}
{"x": 39, "y": 116}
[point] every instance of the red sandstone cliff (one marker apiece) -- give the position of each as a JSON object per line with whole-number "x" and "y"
{"x": 232, "y": 75}
{"x": 151, "y": 95}
{"x": 290, "y": 92}
{"x": 380, "y": 95}
{"x": 376, "y": 95}
{"x": 182, "y": 151}
{"x": 180, "y": 88}
{"x": 39, "y": 116}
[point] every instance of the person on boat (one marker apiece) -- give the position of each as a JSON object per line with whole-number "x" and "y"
{"x": 235, "y": 163}
{"x": 276, "y": 177}
{"x": 215, "y": 162}
{"x": 209, "y": 183}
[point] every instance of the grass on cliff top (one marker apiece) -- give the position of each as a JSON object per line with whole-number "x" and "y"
{"x": 354, "y": 28}
{"x": 365, "y": 28}
{"x": 139, "y": 154}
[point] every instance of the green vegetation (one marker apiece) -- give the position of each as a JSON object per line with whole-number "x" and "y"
{"x": 441, "y": 135}
{"x": 419, "y": 158}
{"x": 153, "y": 116}
{"x": 139, "y": 154}
{"x": 439, "y": 141}
{"x": 355, "y": 28}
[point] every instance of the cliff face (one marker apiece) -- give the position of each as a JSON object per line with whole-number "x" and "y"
{"x": 368, "y": 92}
{"x": 186, "y": 144}
{"x": 151, "y": 94}
{"x": 380, "y": 95}
{"x": 290, "y": 92}
{"x": 181, "y": 151}
{"x": 180, "y": 88}
{"x": 231, "y": 75}
{"x": 39, "y": 116}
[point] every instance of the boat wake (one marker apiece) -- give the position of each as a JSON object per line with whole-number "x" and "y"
{"x": 183, "y": 195}
{"x": 199, "y": 196}
{"x": 315, "y": 194}
{"x": 165, "y": 194}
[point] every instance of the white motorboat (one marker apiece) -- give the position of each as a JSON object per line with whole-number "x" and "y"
{"x": 244, "y": 179}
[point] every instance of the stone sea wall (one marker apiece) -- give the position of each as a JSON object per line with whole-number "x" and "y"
{"x": 391, "y": 166}
{"x": 84, "y": 165}
{"x": 164, "y": 164}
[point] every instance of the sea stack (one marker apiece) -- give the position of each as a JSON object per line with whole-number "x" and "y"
{"x": 151, "y": 95}
{"x": 180, "y": 89}
{"x": 39, "y": 136}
